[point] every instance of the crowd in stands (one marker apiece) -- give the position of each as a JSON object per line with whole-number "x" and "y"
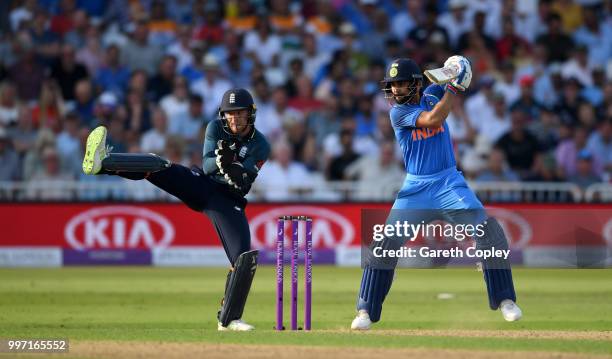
{"x": 539, "y": 107}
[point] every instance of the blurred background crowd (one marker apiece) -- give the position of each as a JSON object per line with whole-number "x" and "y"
{"x": 539, "y": 108}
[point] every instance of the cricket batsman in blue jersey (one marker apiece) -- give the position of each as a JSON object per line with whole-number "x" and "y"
{"x": 433, "y": 183}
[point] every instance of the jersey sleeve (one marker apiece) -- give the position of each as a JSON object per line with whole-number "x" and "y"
{"x": 209, "y": 164}
{"x": 405, "y": 116}
{"x": 431, "y": 96}
{"x": 259, "y": 155}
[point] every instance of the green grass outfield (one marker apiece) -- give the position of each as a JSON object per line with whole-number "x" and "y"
{"x": 180, "y": 305}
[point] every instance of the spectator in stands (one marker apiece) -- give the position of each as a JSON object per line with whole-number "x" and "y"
{"x": 570, "y": 12}
{"x": 10, "y": 166}
{"x": 283, "y": 174}
{"x": 84, "y": 101}
{"x": 62, "y": 22}
{"x": 460, "y": 125}
{"x": 497, "y": 169}
{"x": 47, "y": 183}
{"x": 313, "y": 59}
{"x": 325, "y": 120}
{"x": 262, "y": 44}
{"x": 377, "y": 38}
{"x": 526, "y": 102}
{"x": 456, "y": 21}
{"x": 138, "y": 113}
{"x": 567, "y": 153}
{"x": 242, "y": 19}
{"x": 117, "y": 135}
{"x": 23, "y": 134}
{"x": 281, "y": 18}
{"x": 426, "y": 32}
{"x": 154, "y": 140}
{"x": 23, "y": 12}
{"x": 67, "y": 72}
{"x": 176, "y": 103}
{"x": 9, "y": 104}
{"x": 174, "y": 150}
{"x": 518, "y": 145}
{"x": 596, "y": 36}
{"x": 46, "y": 42}
{"x": 47, "y": 112}
{"x": 304, "y": 100}
{"x": 599, "y": 145}
{"x": 585, "y": 174}
{"x": 578, "y": 67}
{"x": 112, "y": 76}
{"x": 405, "y": 20}
{"x": 92, "y": 53}
{"x": 32, "y": 160}
{"x": 337, "y": 166}
{"x": 189, "y": 125}
{"x": 477, "y": 30}
{"x": 558, "y": 44}
{"x": 377, "y": 175}
{"x": 76, "y": 36}
{"x": 181, "y": 49}
{"x": 494, "y": 127}
{"x": 180, "y": 11}
{"x": 139, "y": 52}
{"x": 212, "y": 86}
{"x": 27, "y": 73}
{"x": 570, "y": 101}
{"x": 162, "y": 30}
{"x": 161, "y": 83}
{"x": 508, "y": 85}
{"x": 544, "y": 169}
{"x": 510, "y": 44}
{"x": 69, "y": 145}
{"x": 195, "y": 70}
{"x": 281, "y": 115}
{"x": 211, "y": 31}
{"x": 546, "y": 129}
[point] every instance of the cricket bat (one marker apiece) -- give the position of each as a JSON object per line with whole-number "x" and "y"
{"x": 442, "y": 75}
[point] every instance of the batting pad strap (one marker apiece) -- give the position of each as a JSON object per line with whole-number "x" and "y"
{"x": 135, "y": 162}
{"x": 238, "y": 287}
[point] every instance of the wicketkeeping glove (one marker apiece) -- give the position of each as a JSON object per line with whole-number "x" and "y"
{"x": 236, "y": 175}
{"x": 226, "y": 154}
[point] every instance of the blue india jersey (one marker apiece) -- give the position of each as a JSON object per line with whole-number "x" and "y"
{"x": 425, "y": 150}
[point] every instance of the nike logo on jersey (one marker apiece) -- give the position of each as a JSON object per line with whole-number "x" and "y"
{"x": 425, "y": 133}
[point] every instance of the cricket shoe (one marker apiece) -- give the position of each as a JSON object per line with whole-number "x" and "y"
{"x": 510, "y": 310}
{"x": 235, "y": 325}
{"x": 95, "y": 151}
{"x": 362, "y": 321}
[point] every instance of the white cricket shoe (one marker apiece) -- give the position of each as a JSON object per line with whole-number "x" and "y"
{"x": 510, "y": 310}
{"x": 362, "y": 321}
{"x": 95, "y": 151}
{"x": 235, "y": 325}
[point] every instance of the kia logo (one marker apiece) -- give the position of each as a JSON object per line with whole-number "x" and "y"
{"x": 517, "y": 229}
{"x": 118, "y": 227}
{"x": 329, "y": 229}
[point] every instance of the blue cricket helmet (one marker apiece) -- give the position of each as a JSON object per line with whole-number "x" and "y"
{"x": 403, "y": 69}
